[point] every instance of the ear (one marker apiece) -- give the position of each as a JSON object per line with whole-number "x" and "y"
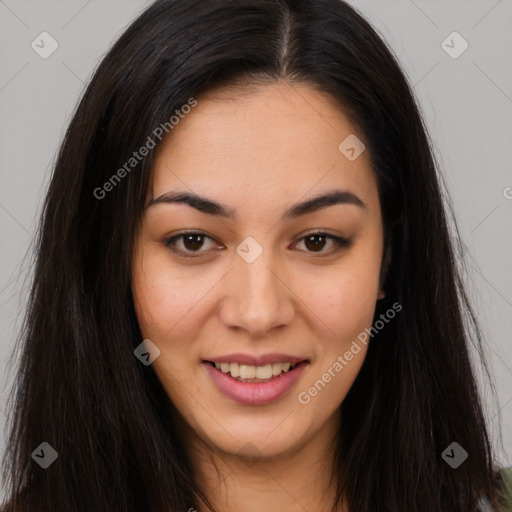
{"x": 386, "y": 261}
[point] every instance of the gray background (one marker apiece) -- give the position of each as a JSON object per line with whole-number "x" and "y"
{"x": 466, "y": 102}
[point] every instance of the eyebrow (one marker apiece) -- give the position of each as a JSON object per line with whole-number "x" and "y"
{"x": 211, "y": 207}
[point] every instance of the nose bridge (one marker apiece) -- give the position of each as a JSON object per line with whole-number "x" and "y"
{"x": 261, "y": 281}
{"x": 257, "y": 299}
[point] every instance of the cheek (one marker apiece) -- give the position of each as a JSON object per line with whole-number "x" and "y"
{"x": 345, "y": 298}
{"x": 165, "y": 300}
{"x": 164, "y": 305}
{"x": 346, "y": 307}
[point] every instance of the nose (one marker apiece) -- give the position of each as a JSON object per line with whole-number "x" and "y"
{"x": 258, "y": 298}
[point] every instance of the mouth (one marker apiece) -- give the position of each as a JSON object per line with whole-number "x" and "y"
{"x": 255, "y": 385}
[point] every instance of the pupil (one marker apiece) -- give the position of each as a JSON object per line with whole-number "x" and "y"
{"x": 191, "y": 241}
{"x": 315, "y": 245}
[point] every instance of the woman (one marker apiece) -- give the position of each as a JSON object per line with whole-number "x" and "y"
{"x": 246, "y": 295}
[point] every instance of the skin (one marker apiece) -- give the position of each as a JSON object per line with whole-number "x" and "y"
{"x": 259, "y": 153}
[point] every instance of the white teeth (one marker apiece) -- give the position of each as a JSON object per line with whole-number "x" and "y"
{"x": 251, "y": 372}
{"x": 234, "y": 369}
{"x": 264, "y": 372}
{"x": 276, "y": 368}
{"x": 247, "y": 372}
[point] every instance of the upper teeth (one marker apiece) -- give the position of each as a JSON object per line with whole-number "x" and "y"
{"x": 253, "y": 372}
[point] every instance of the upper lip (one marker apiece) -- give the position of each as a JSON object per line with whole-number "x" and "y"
{"x": 261, "y": 360}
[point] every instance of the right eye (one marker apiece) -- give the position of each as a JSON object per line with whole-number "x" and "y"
{"x": 192, "y": 241}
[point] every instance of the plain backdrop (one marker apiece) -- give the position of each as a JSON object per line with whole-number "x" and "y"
{"x": 466, "y": 103}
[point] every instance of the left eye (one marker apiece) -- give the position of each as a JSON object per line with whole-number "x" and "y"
{"x": 316, "y": 240}
{"x": 193, "y": 242}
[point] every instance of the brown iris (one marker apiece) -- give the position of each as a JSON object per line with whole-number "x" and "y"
{"x": 314, "y": 245}
{"x": 193, "y": 241}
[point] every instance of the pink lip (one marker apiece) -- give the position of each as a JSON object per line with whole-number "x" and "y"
{"x": 256, "y": 360}
{"x": 254, "y": 393}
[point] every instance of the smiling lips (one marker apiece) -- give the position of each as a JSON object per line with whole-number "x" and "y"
{"x": 246, "y": 373}
{"x": 255, "y": 380}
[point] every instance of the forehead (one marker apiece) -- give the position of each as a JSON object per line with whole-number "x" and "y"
{"x": 269, "y": 142}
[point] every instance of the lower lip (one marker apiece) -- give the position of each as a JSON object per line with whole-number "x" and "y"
{"x": 255, "y": 393}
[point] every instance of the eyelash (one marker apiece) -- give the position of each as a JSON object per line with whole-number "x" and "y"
{"x": 340, "y": 243}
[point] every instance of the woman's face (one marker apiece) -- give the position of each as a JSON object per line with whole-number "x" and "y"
{"x": 253, "y": 286}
